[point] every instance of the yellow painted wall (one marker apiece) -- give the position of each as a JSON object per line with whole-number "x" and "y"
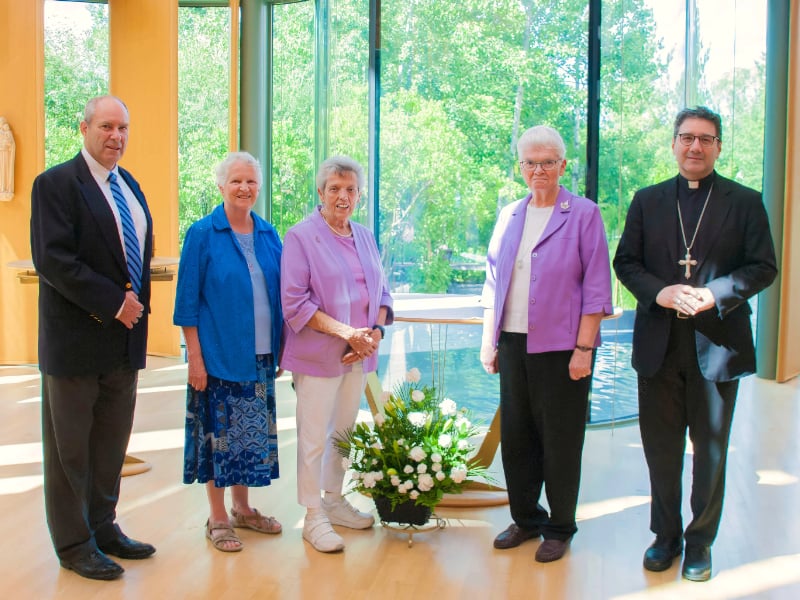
{"x": 143, "y": 63}
{"x": 788, "y": 363}
{"x": 21, "y": 102}
{"x": 144, "y": 73}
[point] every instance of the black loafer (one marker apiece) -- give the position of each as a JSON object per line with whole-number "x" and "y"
{"x": 513, "y": 536}
{"x": 125, "y": 547}
{"x": 697, "y": 563}
{"x": 94, "y": 565}
{"x": 551, "y": 550}
{"x": 659, "y": 556}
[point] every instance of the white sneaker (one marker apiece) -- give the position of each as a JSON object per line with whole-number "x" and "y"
{"x": 318, "y": 532}
{"x": 341, "y": 512}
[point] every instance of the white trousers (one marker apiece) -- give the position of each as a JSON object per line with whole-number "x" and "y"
{"x": 325, "y": 406}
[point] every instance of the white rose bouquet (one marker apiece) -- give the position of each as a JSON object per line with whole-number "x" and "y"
{"x": 419, "y": 448}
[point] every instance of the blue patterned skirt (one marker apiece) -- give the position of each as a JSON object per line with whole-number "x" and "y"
{"x": 231, "y": 430}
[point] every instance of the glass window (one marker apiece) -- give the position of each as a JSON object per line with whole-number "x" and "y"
{"x": 460, "y": 82}
{"x": 203, "y": 83}
{"x": 293, "y": 189}
{"x": 75, "y": 69}
{"x": 732, "y": 81}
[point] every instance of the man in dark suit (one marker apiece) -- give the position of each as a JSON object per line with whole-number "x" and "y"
{"x": 694, "y": 249}
{"x": 91, "y": 241}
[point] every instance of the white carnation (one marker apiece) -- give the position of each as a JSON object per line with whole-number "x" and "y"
{"x": 445, "y": 440}
{"x": 417, "y": 395}
{"x": 448, "y": 407}
{"x": 413, "y": 375}
{"x": 417, "y": 419}
{"x": 459, "y": 474}
{"x": 425, "y": 482}
{"x": 417, "y": 454}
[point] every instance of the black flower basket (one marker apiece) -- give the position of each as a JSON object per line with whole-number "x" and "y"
{"x": 406, "y": 512}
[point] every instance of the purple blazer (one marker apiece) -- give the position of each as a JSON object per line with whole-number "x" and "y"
{"x": 314, "y": 276}
{"x": 570, "y": 271}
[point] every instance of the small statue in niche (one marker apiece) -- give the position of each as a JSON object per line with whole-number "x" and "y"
{"x": 7, "y": 151}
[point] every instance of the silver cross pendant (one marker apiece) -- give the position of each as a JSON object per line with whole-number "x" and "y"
{"x": 688, "y": 262}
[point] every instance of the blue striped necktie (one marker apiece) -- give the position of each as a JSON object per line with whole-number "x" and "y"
{"x": 132, "y": 255}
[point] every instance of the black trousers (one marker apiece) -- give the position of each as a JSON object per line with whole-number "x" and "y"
{"x": 86, "y": 425}
{"x": 675, "y": 399}
{"x": 542, "y": 428}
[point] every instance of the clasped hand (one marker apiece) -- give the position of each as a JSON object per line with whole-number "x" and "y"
{"x": 132, "y": 310}
{"x": 361, "y": 345}
{"x": 685, "y": 298}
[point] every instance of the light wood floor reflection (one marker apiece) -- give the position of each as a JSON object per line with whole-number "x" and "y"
{"x": 757, "y": 553}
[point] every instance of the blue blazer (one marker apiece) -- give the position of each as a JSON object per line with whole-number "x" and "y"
{"x": 83, "y": 276}
{"x": 735, "y": 260}
{"x": 215, "y": 293}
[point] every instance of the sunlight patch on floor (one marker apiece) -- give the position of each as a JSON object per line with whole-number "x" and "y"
{"x": 594, "y": 510}
{"x": 19, "y": 485}
{"x": 774, "y": 477}
{"x": 746, "y": 581}
{"x": 15, "y": 379}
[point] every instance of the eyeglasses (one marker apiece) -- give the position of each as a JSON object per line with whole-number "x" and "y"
{"x": 706, "y": 141}
{"x": 547, "y": 165}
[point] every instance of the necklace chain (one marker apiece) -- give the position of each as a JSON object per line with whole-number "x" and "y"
{"x": 688, "y": 245}
{"x": 687, "y": 261}
{"x": 344, "y": 235}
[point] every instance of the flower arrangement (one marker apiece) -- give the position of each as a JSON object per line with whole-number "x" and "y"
{"x": 418, "y": 449}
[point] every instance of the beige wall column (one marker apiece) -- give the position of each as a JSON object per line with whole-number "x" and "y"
{"x": 788, "y": 363}
{"x": 143, "y": 66}
{"x": 22, "y": 104}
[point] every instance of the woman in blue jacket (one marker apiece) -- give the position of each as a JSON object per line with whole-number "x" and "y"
{"x": 228, "y": 304}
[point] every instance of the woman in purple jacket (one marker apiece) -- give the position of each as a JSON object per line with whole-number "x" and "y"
{"x": 335, "y": 304}
{"x": 548, "y": 286}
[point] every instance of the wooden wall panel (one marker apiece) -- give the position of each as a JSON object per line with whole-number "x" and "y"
{"x": 143, "y": 47}
{"x": 788, "y": 364}
{"x": 22, "y": 104}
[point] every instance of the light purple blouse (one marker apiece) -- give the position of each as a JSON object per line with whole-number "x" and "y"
{"x": 315, "y": 275}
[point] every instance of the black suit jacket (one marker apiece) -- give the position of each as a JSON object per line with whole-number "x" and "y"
{"x": 736, "y": 259}
{"x": 79, "y": 257}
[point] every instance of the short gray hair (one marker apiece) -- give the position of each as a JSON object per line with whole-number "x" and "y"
{"x": 541, "y": 136}
{"x": 224, "y": 167}
{"x": 91, "y": 106}
{"x": 339, "y": 165}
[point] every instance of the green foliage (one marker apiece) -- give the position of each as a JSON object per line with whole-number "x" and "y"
{"x": 203, "y": 109}
{"x": 418, "y": 449}
{"x": 459, "y": 84}
{"x": 75, "y": 69}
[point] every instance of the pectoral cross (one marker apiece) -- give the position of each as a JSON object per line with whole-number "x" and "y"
{"x": 688, "y": 262}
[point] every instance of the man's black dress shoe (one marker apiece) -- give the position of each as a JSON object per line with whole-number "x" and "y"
{"x": 125, "y": 547}
{"x": 94, "y": 565}
{"x": 697, "y": 563}
{"x": 551, "y": 550}
{"x": 513, "y": 536}
{"x": 658, "y": 557}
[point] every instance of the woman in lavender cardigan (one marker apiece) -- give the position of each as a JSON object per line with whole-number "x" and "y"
{"x": 548, "y": 285}
{"x": 335, "y": 303}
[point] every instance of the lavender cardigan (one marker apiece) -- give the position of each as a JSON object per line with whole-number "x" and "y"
{"x": 314, "y": 276}
{"x": 570, "y": 271}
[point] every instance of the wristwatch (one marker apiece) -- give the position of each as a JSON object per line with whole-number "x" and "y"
{"x": 381, "y": 329}
{"x": 584, "y": 348}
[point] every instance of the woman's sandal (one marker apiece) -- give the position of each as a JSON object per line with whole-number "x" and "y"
{"x": 227, "y": 535}
{"x": 256, "y": 522}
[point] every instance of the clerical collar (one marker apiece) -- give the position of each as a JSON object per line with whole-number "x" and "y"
{"x": 685, "y": 184}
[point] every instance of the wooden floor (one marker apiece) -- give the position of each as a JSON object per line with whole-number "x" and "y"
{"x": 757, "y": 553}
